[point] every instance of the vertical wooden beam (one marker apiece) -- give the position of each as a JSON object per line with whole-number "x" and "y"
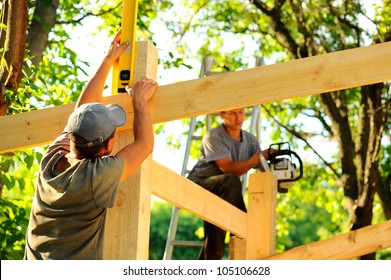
{"x": 128, "y": 222}
{"x": 237, "y": 248}
{"x": 261, "y": 215}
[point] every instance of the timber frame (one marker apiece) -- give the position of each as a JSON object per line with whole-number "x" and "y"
{"x": 127, "y": 230}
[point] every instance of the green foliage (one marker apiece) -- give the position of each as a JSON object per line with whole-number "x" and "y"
{"x": 187, "y": 227}
{"x": 383, "y": 18}
{"x": 13, "y": 224}
{"x": 18, "y": 174}
{"x": 310, "y": 212}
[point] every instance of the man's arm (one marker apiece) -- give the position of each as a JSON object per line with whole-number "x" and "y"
{"x": 135, "y": 153}
{"x": 229, "y": 166}
{"x": 92, "y": 92}
{"x": 240, "y": 167}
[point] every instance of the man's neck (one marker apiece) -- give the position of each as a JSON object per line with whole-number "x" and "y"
{"x": 233, "y": 133}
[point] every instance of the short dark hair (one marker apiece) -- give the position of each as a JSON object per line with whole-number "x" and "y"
{"x": 87, "y": 152}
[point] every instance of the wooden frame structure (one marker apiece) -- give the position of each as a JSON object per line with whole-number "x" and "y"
{"x": 127, "y": 233}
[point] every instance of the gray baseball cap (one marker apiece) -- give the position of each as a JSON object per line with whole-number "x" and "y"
{"x": 95, "y": 122}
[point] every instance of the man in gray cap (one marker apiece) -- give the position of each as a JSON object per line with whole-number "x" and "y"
{"x": 78, "y": 177}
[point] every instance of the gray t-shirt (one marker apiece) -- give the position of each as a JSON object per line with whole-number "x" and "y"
{"x": 69, "y": 208}
{"x": 217, "y": 144}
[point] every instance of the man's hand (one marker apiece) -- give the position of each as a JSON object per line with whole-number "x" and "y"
{"x": 116, "y": 49}
{"x": 142, "y": 90}
{"x": 94, "y": 88}
{"x": 135, "y": 153}
{"x": 269, "y": 151}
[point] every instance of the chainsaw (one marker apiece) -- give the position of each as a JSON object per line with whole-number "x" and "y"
{"x": 280, "y": 162}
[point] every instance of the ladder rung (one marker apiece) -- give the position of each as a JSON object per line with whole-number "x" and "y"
{"x": 187, "y": 243}
{"x": 196, "y": 137}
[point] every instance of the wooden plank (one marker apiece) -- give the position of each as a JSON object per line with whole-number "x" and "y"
{"x": 187, "y": 195}
{"x": 261, "y": 216}
{"x": 313, "y": 75}
{"x": 346, "y": 246}
{"x": 128, "y": 222}
{"x": 237, "y": 248}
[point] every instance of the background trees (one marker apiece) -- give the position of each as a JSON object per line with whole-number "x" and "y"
{"x": 357, "y": 120}
{"x": 353, "y": 166}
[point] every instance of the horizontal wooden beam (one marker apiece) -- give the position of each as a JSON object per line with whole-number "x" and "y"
{"x": 342, "y": 247}
{"x": 187, "y": 195}
{"x": 264, "y": 84}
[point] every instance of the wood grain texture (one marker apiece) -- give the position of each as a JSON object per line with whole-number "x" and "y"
{"x": 187, "y": 195}
{"x": 264, "y": 84}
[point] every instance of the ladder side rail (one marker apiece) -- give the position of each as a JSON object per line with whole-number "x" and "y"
{"x": 193, "y": 122}
{"x": 205, "y": 68}
{"x": 255, "y": 123}
{"x": 253, "y": 127}
{"x": 171, "y": 234}
{"x": 175, "y": 210}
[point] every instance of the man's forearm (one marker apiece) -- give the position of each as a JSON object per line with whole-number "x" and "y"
{"x": 238, "y": 167}
{"x": 135, "y": 153}
{"x": 94, "y": 88}
{"x": 143, "y": 129}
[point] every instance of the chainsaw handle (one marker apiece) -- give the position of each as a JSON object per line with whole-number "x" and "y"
{"x": 277, "y": 147}
{"x": 300, "y": 168}
{"x": 272, "y": 157}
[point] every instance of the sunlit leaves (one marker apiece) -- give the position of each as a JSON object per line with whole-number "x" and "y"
{"x": 383, "y": 18}
{"x": 310, "y": 211}
{"x": 13, "y": 224}
{"x": 188, "y": 225}
{"x": 18, "y": 173}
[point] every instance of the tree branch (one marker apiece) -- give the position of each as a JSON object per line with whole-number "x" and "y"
{"x": 283, "y": 35}
{"x": 88, "y": 14}
{"x": 188, "y": 24}
{"x": 317, "y": 115}
{"x": 299, "y": 136}
{"x": 343, "y": 20}
{"x": 337, "y": 112}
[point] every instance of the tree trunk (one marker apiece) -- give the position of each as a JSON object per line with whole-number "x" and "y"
{"x": 384, "y": 192}
{"x": 368, "y": 156}
{"x": 13, "y": 42}
{"x": 337, "y": 112}
{"x": 43, "y": 21}
{"x": 359, "y": 154}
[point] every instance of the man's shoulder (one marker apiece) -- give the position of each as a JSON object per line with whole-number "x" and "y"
{"x": 250, "y": 140}
{"x": 216, "y": 131}
{"x": 249, "y": 135}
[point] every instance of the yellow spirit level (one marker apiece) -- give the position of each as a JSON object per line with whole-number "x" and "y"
{"x": 124, "y": 67}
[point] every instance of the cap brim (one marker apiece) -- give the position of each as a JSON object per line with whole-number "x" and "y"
{"x": 118, "y": 113}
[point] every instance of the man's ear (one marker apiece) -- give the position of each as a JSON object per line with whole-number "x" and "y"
{"x": 109, "y": 143}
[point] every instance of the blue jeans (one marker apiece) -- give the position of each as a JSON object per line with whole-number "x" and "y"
{"x": 229, "y": 188}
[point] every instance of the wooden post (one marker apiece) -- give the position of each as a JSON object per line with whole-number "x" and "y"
{"x": 261, "y": 216}
{"x": 128, "y": 222}
{"x": 237, "y": 248}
